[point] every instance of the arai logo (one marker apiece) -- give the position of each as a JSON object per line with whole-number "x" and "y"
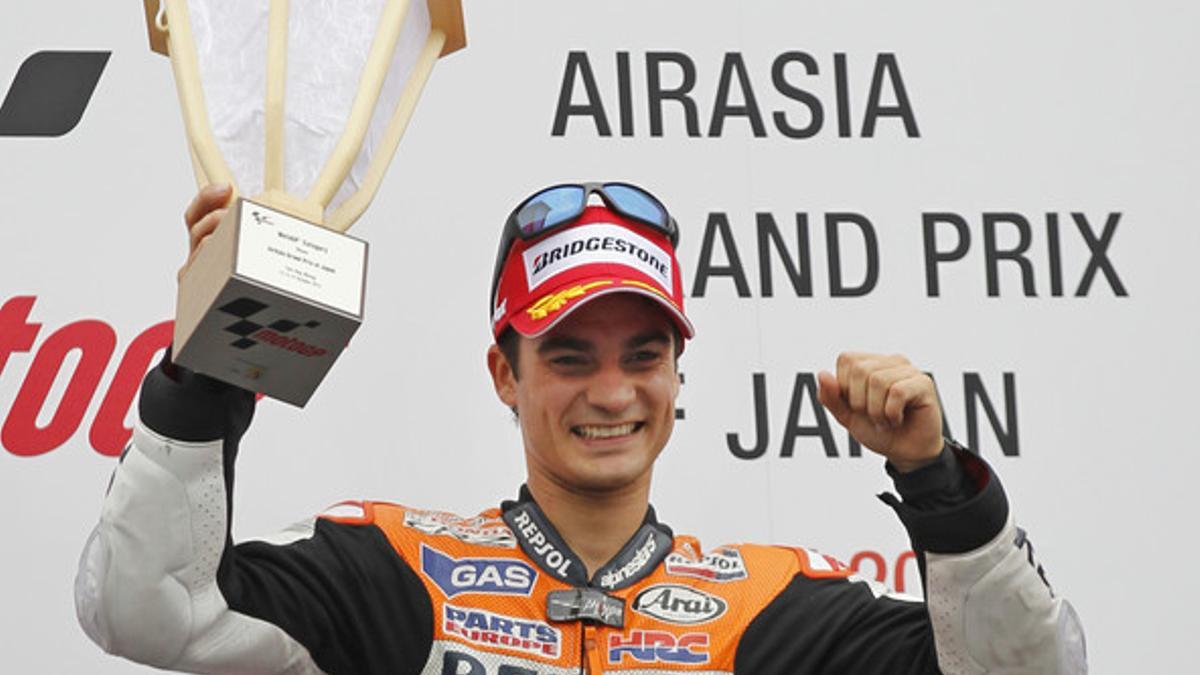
{"x": 678, "y": 604}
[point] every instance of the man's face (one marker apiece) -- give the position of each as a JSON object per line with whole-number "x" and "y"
{"x": 596, "y": 395}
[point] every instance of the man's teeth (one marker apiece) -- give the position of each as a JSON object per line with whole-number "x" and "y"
{"x": 606, "y": 431}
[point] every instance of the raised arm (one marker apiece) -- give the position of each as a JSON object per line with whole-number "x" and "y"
{"x": 987, "y": 601}
{"x": 161, "y": 582}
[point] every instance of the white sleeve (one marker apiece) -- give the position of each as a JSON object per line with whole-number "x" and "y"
{"x": 993, "y": 612}
{"x": 147, "y": 582}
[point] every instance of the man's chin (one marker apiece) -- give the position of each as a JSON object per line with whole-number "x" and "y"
{"x": 607, "y": 480}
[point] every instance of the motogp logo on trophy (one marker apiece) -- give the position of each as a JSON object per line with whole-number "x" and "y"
{"x": 250, "y": 333}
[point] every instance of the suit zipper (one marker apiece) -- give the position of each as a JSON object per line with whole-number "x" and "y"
{"x": 591, "y": 660}
{"x": 583, "y": 661}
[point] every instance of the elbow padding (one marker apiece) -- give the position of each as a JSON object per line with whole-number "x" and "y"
{"x": 993, "y": 612}
{"x": 152, "y": 559}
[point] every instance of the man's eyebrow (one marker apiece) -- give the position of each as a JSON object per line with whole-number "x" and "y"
{"x": 563, "y": 342}
{"x": 649, "y": 337}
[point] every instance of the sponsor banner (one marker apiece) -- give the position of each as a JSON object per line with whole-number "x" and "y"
{"x": 491, "y": 630}
{"x": 493, "y": 576}
{"x": 674, "y": 603}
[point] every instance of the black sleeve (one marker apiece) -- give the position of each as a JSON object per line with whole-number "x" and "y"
{"x": 338, "y": 589}
{"x": 837, "y": 627}
{"x": 344, "y": 594}
{"x": 954, "y": 505}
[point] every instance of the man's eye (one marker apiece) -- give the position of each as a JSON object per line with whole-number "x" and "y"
{"x": 568, "y": 360}
{"x": 645, "y": 356}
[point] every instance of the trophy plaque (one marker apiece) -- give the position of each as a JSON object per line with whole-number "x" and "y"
{"x": 300, "y": 107}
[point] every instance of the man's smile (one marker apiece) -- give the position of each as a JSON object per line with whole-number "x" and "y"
{"x": 606, "y": 431}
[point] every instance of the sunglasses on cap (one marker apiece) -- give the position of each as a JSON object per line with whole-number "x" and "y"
{"x": 561, "y": 205}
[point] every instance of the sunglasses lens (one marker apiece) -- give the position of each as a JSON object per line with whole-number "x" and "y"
{"x": 550, "y": 207}
{"x": 636, "y": 203}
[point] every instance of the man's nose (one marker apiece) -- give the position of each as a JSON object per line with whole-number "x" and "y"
{"x": 611, "y": 389}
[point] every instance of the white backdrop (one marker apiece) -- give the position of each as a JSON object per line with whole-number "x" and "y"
{"x": 1027, "y": 108}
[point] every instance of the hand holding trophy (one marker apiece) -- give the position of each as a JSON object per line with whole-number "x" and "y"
{"x": 302, "y": 106}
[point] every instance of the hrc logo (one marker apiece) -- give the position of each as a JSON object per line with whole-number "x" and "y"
{"x": 656, "y": 646}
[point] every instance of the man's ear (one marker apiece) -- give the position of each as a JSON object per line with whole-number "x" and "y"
{"x": 504, "y": 380}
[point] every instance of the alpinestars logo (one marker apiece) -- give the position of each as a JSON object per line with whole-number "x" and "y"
{"x": 250, "y": 333}
{"x": 50, "y": 93}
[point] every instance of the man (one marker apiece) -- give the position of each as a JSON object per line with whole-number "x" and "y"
{"x": 577, "y": 575}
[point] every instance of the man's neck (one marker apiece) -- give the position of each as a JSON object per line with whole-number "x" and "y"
{"x": 594, "y": 525}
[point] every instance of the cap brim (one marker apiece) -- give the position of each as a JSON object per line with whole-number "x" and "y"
{"x": 559, "y": 303}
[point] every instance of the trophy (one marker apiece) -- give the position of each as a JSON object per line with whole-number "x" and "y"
{"x": 301, "y": 106}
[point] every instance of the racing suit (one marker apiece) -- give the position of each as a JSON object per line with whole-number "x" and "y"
{"x": 381, "y": 588}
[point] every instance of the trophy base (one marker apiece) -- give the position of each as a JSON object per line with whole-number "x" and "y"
{"x": 270, "y": 302}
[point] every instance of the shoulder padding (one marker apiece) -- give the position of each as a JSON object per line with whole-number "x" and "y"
{"x": 350, "y": 512}
{"x": 820, "y": 566}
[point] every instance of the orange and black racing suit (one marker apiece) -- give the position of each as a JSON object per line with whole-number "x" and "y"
{"x": 375, "y": 588}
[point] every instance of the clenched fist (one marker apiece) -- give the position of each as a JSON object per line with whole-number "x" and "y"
{"x": 887, "y": 404}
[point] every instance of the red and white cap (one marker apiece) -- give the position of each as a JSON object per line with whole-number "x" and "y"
{"x": 545, "y": 279}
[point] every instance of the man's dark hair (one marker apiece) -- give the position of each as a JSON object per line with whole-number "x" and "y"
{"x": 510, "y": 346}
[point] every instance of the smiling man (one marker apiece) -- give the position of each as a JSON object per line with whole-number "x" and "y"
{"x": 576, "y": 575}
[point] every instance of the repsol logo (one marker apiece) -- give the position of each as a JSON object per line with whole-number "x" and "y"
{"x": 50, "y": 92}
{"x": 804, "y": 90}
{"x": 541, "y": 546}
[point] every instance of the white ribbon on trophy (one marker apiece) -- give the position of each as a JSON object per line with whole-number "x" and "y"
{"x": 300, "y": 105}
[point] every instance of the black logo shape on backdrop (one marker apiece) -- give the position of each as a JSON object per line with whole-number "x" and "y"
{"x": 50, "y": 93}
